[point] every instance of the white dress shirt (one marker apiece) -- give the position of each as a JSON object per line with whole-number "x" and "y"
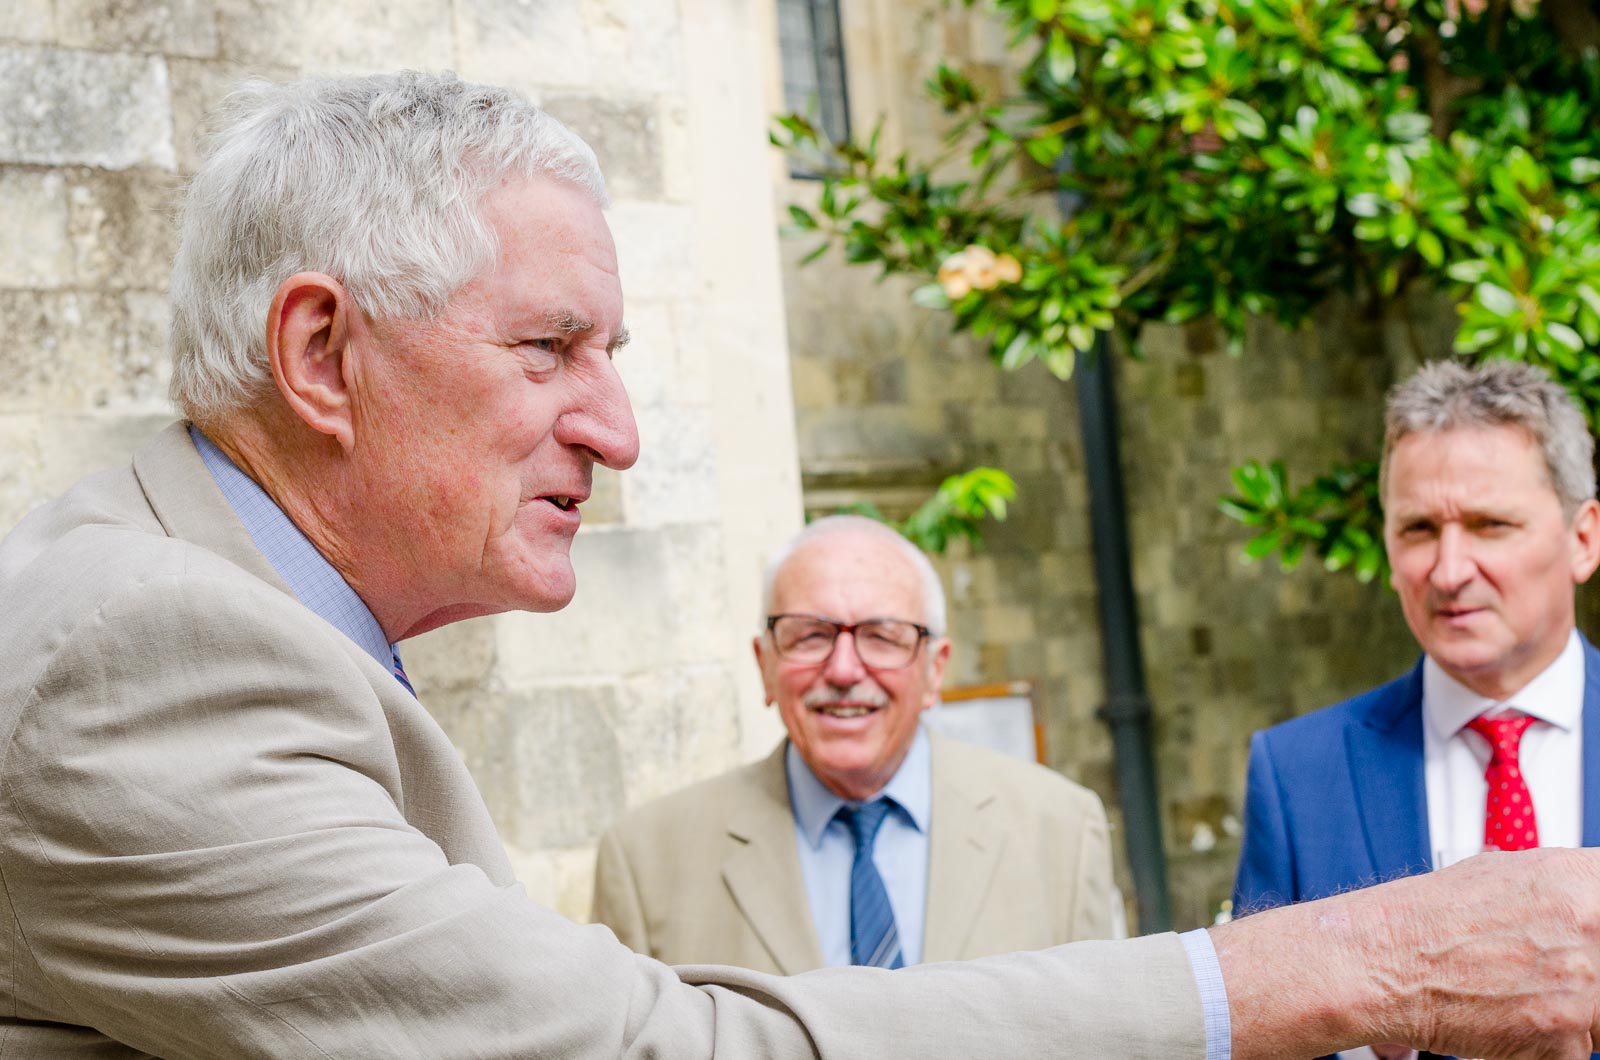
{"x": 1551, "y": 755}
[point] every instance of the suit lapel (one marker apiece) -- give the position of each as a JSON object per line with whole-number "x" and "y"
{"x": 964, "y": 850}
{"x": 762, "y": 871}
{"x": 1589, "y": 772}
{"x": 188, "y": 504}
{"x": 1386, "y": 770}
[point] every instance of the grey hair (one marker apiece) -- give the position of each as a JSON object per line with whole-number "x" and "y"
{"x": 376, "y": 181}
{"x": 933, "y": 605}
{"x": 1445, "y": 395}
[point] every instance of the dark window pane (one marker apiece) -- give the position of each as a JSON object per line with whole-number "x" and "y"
{"x": 812, "y": 54}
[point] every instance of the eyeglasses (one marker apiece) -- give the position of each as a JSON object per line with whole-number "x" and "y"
{"x": 881, "y": 643}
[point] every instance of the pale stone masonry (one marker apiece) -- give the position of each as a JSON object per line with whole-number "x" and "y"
{"x": 644, "y": 683}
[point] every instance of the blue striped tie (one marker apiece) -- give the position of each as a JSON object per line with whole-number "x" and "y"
{"x": 400, "y": 672}
{"x": 874, "y": 939}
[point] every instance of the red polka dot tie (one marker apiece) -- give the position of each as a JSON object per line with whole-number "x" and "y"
{"x": 1508, "y": 822}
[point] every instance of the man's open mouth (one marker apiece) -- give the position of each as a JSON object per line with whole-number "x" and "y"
{"x": 844, "y": 710}
{"x": 566, "y": 504}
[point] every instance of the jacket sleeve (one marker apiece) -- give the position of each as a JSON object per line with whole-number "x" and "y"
{"x": 204, "y": 852}
{"x": 1266, "y": 875}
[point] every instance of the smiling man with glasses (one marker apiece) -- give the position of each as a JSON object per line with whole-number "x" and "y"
{"x": 863, "y": 839}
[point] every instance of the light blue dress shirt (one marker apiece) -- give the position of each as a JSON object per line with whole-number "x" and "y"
{"x": 900, "y": 852}
{"x": 314, "y": 581}
{"x": 826, "y": 849}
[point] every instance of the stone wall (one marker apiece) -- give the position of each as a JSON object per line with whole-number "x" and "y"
{"x": 644, "y": 683}
{"x": 887, "y": 402}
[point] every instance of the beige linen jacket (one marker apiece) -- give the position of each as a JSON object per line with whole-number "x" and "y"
{"x": 227, "y": 832}
{"x": 1018, "y": 859}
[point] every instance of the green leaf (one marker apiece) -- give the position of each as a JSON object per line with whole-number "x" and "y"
{"x": 1060, "y": 59}
{"x": 930, "y": 296}
{"x": 1495, "y": 299}
{"x": 1263, "y": 544}
{"x": 802, "y": 218}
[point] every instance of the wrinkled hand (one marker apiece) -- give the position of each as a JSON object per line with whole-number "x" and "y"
{"x": 1497, "y": 957}
{"x": 1507, "y": 955}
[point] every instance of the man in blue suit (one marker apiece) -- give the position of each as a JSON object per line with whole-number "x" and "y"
{"x": 1493, "y": 738}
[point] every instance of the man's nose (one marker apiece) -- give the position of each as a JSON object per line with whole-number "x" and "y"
{"x": 844, "y": 667}
{"x": 601, "y": 420}
{"x": 1453, "y": 565}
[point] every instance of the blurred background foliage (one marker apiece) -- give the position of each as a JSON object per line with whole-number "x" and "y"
{"x": 956, "y": 511}
{"x": 1163, "y": 160}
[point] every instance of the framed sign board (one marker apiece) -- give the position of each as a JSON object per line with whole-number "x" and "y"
{"x": 1001, "y": 717}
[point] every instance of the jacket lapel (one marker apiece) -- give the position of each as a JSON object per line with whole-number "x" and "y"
{"x": 964, "y": 849}
{"x": 1589, "y": 772}
{"x": 1386, "y": 771}
{"x": 188, "y": 504}
{"x": 762, "y": 871}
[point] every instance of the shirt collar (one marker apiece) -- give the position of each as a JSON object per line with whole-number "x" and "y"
{"x": 814, "y": 805}
{"x": 313, "y": 579}
{"x": 1554, "y": 696}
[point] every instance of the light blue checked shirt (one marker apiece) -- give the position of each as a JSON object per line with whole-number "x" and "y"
{"x": 900, "y": 851}
{"x": 313, "y": 579}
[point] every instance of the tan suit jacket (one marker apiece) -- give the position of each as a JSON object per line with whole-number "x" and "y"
{"x": 1018, "y": 859}
{"x": 225, "y": 831}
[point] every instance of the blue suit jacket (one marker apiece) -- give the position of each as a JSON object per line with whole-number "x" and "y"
{"x": 1336, "y": 799}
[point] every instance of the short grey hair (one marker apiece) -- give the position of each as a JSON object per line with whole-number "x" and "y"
{"x": 933, "y": 606}
{"x": 1445, "y": 395}
{"x": 376, "y": 181}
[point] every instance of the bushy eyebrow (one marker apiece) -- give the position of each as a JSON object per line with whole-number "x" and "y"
{"x": 570, "y": 323}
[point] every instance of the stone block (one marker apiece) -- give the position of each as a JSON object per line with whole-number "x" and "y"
{"x": 376, "y": 35}
{"x": 88, "y": 108}
{"x": 121, "y": 225}
{"x": 142, "y": 363}
{"x": 34, "y": 250}
{"x": 460, "y": 657}
{"x": 646, "y": 599}
{"x": 676, "y": 726}
{"x": 656, "y": 251}
{"x": 175, "y": 27}
{"x": 26, "y": 21}
{"x": 526, "y": 43}
{"x": 43, "y": 454}
{"x": 57, "y": 348}
{"x": 626, "y": 137}
{"x": 675, "y": 480}
{"x": 546, "y": 760}
{"x": 659, "y": 368}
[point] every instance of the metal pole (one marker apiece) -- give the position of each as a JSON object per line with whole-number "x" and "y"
{"x": 1127, "y": 707}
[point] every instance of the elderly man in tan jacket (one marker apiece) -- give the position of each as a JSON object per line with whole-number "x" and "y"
{"x": 976, "y": 853}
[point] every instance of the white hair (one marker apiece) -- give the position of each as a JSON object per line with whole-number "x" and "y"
{"x": 376, "y": 181}
{"x": 933, "y": 606}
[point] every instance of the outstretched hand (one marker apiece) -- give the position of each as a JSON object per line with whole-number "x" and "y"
{"x": 1496, "y": 957}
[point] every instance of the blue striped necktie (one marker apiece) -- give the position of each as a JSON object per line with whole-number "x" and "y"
{"x": 400, "y": 672}
{"x": 874, "y": 939}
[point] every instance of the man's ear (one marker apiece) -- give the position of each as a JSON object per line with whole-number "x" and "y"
{"x": 308, "y": 343}
{"x": 1585, "y": 541}
{"x": 938, "y": 659}
{"x": 761, "y": 661}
